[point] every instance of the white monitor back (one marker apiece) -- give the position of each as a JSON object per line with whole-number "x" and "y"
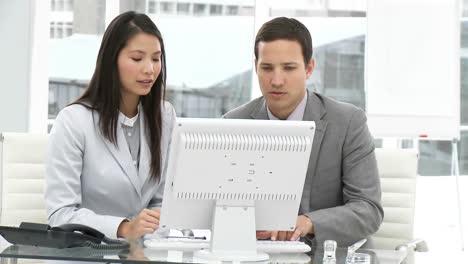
{"x": 237, "y": 162}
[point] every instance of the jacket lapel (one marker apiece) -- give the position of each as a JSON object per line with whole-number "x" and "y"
{"x": 314, "y": 111}
{"x": 123, "y": 157}
{"x": 260, "y": 111}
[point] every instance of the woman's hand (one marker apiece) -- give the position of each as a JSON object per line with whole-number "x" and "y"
{"x": 146, "y": 222}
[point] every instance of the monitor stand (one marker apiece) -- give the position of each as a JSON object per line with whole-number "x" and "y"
{"x": 233, "y": 235}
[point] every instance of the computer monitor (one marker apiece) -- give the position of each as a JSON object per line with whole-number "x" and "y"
{"x": 234, "y": 177}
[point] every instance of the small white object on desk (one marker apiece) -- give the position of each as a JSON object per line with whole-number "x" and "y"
{"x": 329, "y": 252}
{"x": 352, "y": 256}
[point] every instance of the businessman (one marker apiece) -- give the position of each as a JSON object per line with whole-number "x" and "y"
{"x": 341, "y": 195}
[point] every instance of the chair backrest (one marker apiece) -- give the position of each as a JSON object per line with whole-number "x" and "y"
{"x": 398, "y": 171}
{"x": 22, "y": 178}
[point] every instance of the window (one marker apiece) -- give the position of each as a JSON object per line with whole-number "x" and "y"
{"x": 199, "y": 9}
{"x": 463, "y": 153}
{"x": 339, "y": 71}
{"x": 68, "y": 5}
{"x": 61, "y": 93}
{"x": 152, "y": 7}
{"x": 52, "y": 30}
{"x": 209, "y": 91}
{"x": 69, "y": 74}
{"x": 339, "y": 67}
{"x": 167, "y": 7}
{"x": 465, "y": 8}
{"x": 183, "y": 8}
{"x": 232, "y": 10}
{"x": 463, "y": 75}
{"x": 68, "y": 29}
{"x": 59, "y": 5}
{"x": 247, "y": 11}
{"x": 435, "y": 158}
{"x": 216, "y": 9}
{"x": 59, "y": 32}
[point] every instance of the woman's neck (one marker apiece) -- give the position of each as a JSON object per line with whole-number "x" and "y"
{"x": 129, "y": 105}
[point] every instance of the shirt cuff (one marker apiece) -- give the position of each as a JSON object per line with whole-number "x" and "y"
{"x": 111, "y": 226}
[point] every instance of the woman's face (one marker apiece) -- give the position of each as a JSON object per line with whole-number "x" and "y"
{"x": 139, "y": 64}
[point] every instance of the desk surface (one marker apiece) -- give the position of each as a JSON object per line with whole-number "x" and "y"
{"x": 138, "y": 254}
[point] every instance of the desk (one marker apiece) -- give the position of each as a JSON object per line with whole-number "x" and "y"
{"x": 137, "y": 254}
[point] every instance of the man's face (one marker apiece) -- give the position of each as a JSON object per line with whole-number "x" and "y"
{"x": 282, "y": 75}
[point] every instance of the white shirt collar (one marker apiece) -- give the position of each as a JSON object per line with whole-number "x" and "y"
{"x": 124, "y": 120}
{"x": 296, "y": 115}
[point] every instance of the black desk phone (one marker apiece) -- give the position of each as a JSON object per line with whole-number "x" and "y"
{"x": 64, "y": 236}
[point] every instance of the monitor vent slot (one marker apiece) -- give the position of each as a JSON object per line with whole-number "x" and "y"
{"x": 241, "y": 142}
{"x": 236, "y": 196}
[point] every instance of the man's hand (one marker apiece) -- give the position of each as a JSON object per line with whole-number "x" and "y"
{"x": 146, "y": 222}
{"x": 304, "y": 226}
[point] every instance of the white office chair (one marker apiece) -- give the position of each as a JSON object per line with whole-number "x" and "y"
{"x": 22, "y": 178}
{"x": 398, "y": 171}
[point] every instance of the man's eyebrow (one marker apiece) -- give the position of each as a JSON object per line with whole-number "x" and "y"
{"x": 292, "y": 63}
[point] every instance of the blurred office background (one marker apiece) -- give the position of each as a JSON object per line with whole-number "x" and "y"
{"x": 209, "y": 47}
{"x": 210, "y": 54}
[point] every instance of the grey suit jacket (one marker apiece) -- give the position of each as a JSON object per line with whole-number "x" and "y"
{"x": 91, "y": 181}
{"x": 342, "y": 188}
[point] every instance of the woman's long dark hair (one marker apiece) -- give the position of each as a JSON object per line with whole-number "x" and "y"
{"x": 103, "y": 93}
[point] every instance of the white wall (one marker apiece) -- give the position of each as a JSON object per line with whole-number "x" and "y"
{"x": 23, "y": 69}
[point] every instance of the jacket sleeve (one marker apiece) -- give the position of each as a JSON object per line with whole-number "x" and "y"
{"x": 63, "y": 168}
{"x": 361, "y": 214}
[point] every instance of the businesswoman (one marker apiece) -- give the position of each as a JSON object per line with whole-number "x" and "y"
{"x": 107, "y": 151}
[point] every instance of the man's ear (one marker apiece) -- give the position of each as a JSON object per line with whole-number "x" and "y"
{"x": 255, "y": 62}
{"x": 310, "y": 67}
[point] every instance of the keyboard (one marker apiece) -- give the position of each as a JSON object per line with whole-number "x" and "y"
{"x": 188, "y": 244}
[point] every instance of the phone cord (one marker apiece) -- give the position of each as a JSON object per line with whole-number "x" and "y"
{"x": 110, "y": 244}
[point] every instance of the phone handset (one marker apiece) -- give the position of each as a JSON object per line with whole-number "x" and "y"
{"x": 84, "y": 229}
{"x": 64, "y": 236}
{"x": 92, "y": 237}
